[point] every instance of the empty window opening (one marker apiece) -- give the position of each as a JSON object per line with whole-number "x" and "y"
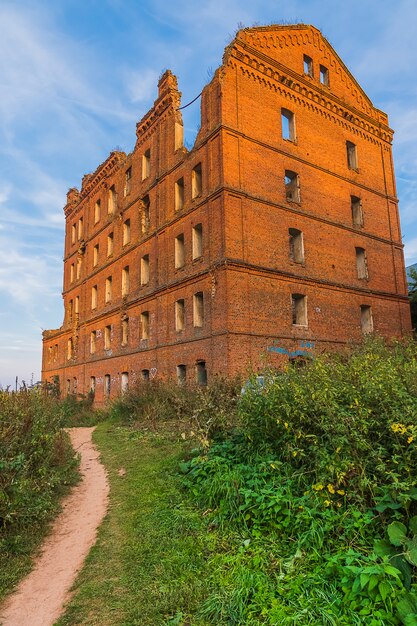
{"x": 97, "y": 211}
{"x": 197, "y": 241}
{"x": 352, "y": 155}
{"x": 144, "y": 325}
{"x": 288, "y": 124}
{"x": 125, "y": 382}
{"x": 109, "y": 289}
{"x": 112, "y": 200}
{"x": 292, "y": 186}
{"x": 73, "y": 233}
{"x": 95, "y": 255}
{"x": 201, "y": 373}
{"x": 357, "y": 211}
{"x": 198, "y": 309}
{"x": 324, "y": 75}
{"x": 94, "y": 297}
{"x": 146, "y": 164}
{"x": 361, "y": 263}
{"x": 110, "y": 244}
{"x": 308, "y": 65}
{"x": 299, "y": 309}
{"x": 79, "y": 264}
{"x": 144, "y": 270}
{"x": 181, "y": 374}
{"x": 179, "y": 136}
{"x": 196, "y": 181}
{"x": 70, "y": 310}
{"x": 125, "y": 281}
{"x": 179, "y": 315}
{"x": 107, "y": 337}
{"x": 367, "y": 323}
{"x": 125, "y": 332}
{"x": 145, "y": 375}
{"x": 128, "y": 181}
{"x": 179, "y": 194}
{"x": 126, "y": 232}
{"x": 72, "y": 272}
{"x": 179, "y": 251}
{"x": 93, "y": 341}
{"x": 107, "y": 385}
{"x": 70, "y": 348}
{"x": 80, "y": 228}
{"x": 146, "y": 214}
{"x": 296, "y": 245}
{"x": 92, "y": 384}
{"x": 77, "y": 305}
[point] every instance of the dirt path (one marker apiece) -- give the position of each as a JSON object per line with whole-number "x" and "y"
{"x": 40, "y": 598}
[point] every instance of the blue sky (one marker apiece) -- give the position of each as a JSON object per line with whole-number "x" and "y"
{"x": 76, "y": 76}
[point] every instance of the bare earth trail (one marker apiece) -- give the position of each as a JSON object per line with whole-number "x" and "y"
{"x": 40, "y": 598}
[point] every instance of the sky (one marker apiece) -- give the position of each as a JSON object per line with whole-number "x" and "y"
{"x": 76, "y": 76}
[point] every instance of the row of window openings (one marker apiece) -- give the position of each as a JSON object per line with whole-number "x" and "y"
{"x": 179, "y": 255}
{"x": 296, "y": 254}
{"x": 299, "y": 313}
{"x": 289, "y": 133}
{"x": 196, "y": 190}
{"x": 309, "y": 70}
{"x": 198, "y": 321}
{"x": 181, "y": 371}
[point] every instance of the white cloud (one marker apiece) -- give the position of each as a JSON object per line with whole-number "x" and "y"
{"x": 141, "y": 86}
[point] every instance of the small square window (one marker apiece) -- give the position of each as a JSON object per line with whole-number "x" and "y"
{"x": 128, "y": 181}
{"x": 144, "y": 324}
{"x": 146, "y": 164}
{"x": 196, "y": 181}
{"x": 299, "y": 309}
{"x": 288, "y": 124}
{"x": 367, "y": 323}
{"x": 296, "y": 245}
{"x": 97, "y": 211}
{"x": 179, "y": 251}
{"x": 352, "y": 155}
{"x": 324, "y": 75}
{"x": 357, "y": 211}
{"x": 197, "y": 241}
{"x": 308, "y": 65}
{"x": 179, "y": 315}
{"x": 292, "y": 186}
{"x": 179, "y": 194}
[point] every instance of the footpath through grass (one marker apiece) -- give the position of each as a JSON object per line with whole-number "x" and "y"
{"x": 148, "y": 566}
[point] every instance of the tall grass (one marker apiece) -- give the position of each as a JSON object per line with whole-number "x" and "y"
{"x": 37, "y": 464}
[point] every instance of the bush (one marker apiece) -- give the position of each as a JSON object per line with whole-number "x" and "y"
{"x": 36, "y": 458}
{"x": 207, "y": 410}
{"x": 316, "y": 490}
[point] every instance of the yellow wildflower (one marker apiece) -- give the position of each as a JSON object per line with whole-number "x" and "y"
{"x": 410, "y": 439}
{"x": 396, "y": 427}
{"x": 318, "y": 487}
{"x": 327, "y": 502}
{"x": 341, "y": 492}
{"x": 286, "y": 424}
{"x": 330, "y": 488}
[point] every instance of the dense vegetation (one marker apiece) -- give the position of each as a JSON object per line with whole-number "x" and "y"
{"x": 318, "y": 486}
{"x": 294, "y": 502}
{"x": 37, "y": 465}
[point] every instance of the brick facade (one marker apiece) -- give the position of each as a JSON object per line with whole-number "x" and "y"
{"x": 283, "y": 219}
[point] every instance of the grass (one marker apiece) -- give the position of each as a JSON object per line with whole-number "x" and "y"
{"x": 149, "y": 565}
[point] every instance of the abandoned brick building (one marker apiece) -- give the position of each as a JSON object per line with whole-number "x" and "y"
{"x": 277, "y": 232}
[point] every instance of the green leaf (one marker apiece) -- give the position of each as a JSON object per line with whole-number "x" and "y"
{"x": 364, "y": 580}
{"x": 407, "y": 609}
{"x": 383, "y": 548}
{"x": 401, "y": 564}
{"x": 397, "y": 533}
{"x": 373, "y": 582}
{"x": 413, "y": 524}
{"x": 384, "y": 588}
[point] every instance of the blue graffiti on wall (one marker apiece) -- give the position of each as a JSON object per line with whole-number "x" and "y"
{"x": 303, "y": 350}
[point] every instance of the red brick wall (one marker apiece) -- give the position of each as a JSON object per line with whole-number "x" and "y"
{"x": 245, "y": 271}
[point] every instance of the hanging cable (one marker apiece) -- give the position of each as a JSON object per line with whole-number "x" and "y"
{"x": 187, "y": 105}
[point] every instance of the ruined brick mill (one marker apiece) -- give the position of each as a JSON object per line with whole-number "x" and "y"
{"x": 275, "y": 236}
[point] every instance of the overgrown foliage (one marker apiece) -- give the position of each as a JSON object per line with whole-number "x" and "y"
{"x": 203, "y": 410}
{"x": 37, "y": 464}
{"x": 318, "y": 486}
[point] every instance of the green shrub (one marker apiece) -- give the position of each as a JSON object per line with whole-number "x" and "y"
{"x": 316, "y": 490}
{"x": 36, "y": 458}
{"x": 208, "y": 410}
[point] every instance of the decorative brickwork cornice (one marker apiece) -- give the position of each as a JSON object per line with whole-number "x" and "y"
{"x": 362, "y": 119}
{"x": 168, "y": 102}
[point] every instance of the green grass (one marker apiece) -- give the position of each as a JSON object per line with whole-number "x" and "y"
{"x": 149, "y": 565}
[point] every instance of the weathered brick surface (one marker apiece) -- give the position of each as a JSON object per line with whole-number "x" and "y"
{"x": 245, "y": 271}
